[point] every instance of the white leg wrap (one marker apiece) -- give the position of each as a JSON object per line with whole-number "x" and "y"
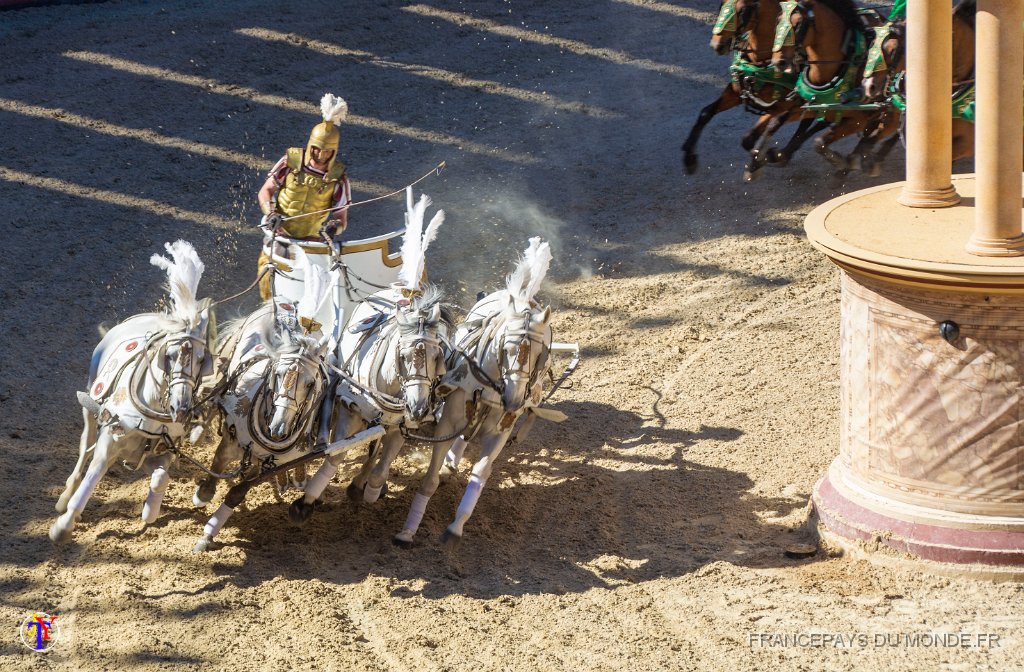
{"x": 157, "y": 488}
{"x": 217, "y": 521}
{"x": 371, "y": 495}
{"x": 415, "y": 517}
{"x": 151, "y": 509}
{"x": 84, "y": 492}
{"x": 455, "y": 454}
{"x": 467, "y": 504}
{"x": 318, "y": 483}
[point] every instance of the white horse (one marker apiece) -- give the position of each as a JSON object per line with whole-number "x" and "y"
{"x": 276, "y": 381}
{"x": 143, "y": 379}
{"x": 501, "y": 356}
{"x": 393, "y": 354}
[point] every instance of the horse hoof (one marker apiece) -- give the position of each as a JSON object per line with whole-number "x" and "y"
{"x": 775, "y": 158}
{"x": 401, "y": 541}
{"x": 58, "y": 534}
{"x": 450, "y": 540}
{"x": 202, "y": 545}
{"x": 300, "y": 511}
{"x": 204, "y": 493}
{"x": 751, "y": 175}
{"x": 689, "y": 163}
{"x": 873, "y": 170}
{"x": 353, "y": 493}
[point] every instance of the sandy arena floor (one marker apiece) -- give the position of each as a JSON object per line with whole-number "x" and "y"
{"x": 646, "y": 533}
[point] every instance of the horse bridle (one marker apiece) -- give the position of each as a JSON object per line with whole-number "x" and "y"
{"x": 732, "y": 19}
{"x": 292, "y": 361}
{"x": 419, "y": 346}
{"x": 788, "y": 35}
{"x": 525, "y": 339}
{"x": 877, "y": 60}
{"x": 184, "y": 370}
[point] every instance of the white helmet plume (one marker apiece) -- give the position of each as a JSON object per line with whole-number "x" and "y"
{"x": 416, "y": 240}
{"x": 184, "y": 270}
{"x": 333, "y": 108}
{"x": 524, "y": 282}
{"x": 315, "y": 288}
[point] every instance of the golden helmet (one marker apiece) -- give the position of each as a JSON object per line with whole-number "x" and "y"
{"x": 324, "y": 136}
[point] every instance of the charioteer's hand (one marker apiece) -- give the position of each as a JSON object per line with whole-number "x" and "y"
{"x": 271, "y": 221}
{"x": 331, "y": 228}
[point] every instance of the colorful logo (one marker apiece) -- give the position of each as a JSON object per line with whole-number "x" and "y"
{"x": 40, "y": 631}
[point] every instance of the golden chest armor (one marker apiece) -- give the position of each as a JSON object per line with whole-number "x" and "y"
{"x": 304, "y": 192}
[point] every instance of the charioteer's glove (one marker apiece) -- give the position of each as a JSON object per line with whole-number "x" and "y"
{"x": 331, "y": 228}
{"x": 271, "y": 221}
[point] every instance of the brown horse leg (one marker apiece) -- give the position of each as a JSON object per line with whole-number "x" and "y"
{"x": 882, "y": 128}
{"x": 807, "y": 128}
{"x": 847, "y": 126}
{"x": 728, "y": 100}
{"x": 757, "y": 154}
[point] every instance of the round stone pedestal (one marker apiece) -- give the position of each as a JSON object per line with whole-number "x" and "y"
{"x": 931, "y": 446}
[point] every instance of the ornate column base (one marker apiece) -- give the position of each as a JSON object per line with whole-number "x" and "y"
{"x": 887, "y": 531}
{"x": 928, "y": 198}
{"x": 996, "y": 247}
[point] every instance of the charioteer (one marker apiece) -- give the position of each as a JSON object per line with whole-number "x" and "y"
{"x": 307, "y": 191}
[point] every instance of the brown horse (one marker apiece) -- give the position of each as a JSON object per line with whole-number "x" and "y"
{"x": 746, "y": 27}
{"x": 886, "y": 79}
{"x": 825, "y": 40}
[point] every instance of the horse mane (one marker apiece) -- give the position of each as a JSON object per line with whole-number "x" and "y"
{"x": 431, "y": 295}
{"x": 846, "y": 10}
{"x": 284, "y": 340}
{"x": 184, "y": 270}
{"x": 965, "y": 10}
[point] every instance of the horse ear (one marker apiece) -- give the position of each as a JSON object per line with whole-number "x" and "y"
{"x": 435, "y": 313}
{"x": 511, "y": 307}
{"x": 546, "y": 315}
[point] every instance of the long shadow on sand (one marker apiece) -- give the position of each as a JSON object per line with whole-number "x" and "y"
{"x": 604, "y": 500}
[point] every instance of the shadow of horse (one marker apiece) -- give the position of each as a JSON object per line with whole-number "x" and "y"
{"x": 602, "y": 500}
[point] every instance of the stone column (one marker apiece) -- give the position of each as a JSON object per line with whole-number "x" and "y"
{"x": 929, "y": 122}
{"x": 998, "y": 155}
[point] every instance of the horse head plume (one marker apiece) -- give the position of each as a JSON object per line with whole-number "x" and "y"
{"x": 524, "y": 282}
{"x": 184, "y": 269}
{"x": 416, "y": 240}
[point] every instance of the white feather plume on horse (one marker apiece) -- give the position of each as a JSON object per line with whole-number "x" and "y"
{"x": 524, "y": 282}
{"x": 416, "y": 240}
{"x": 333, "y": 108}
{"x": 184, "y": 271}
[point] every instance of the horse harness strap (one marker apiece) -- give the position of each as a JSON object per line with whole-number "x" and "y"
{"x": 752, "y": 78}
{"x": 833, "y": 92}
